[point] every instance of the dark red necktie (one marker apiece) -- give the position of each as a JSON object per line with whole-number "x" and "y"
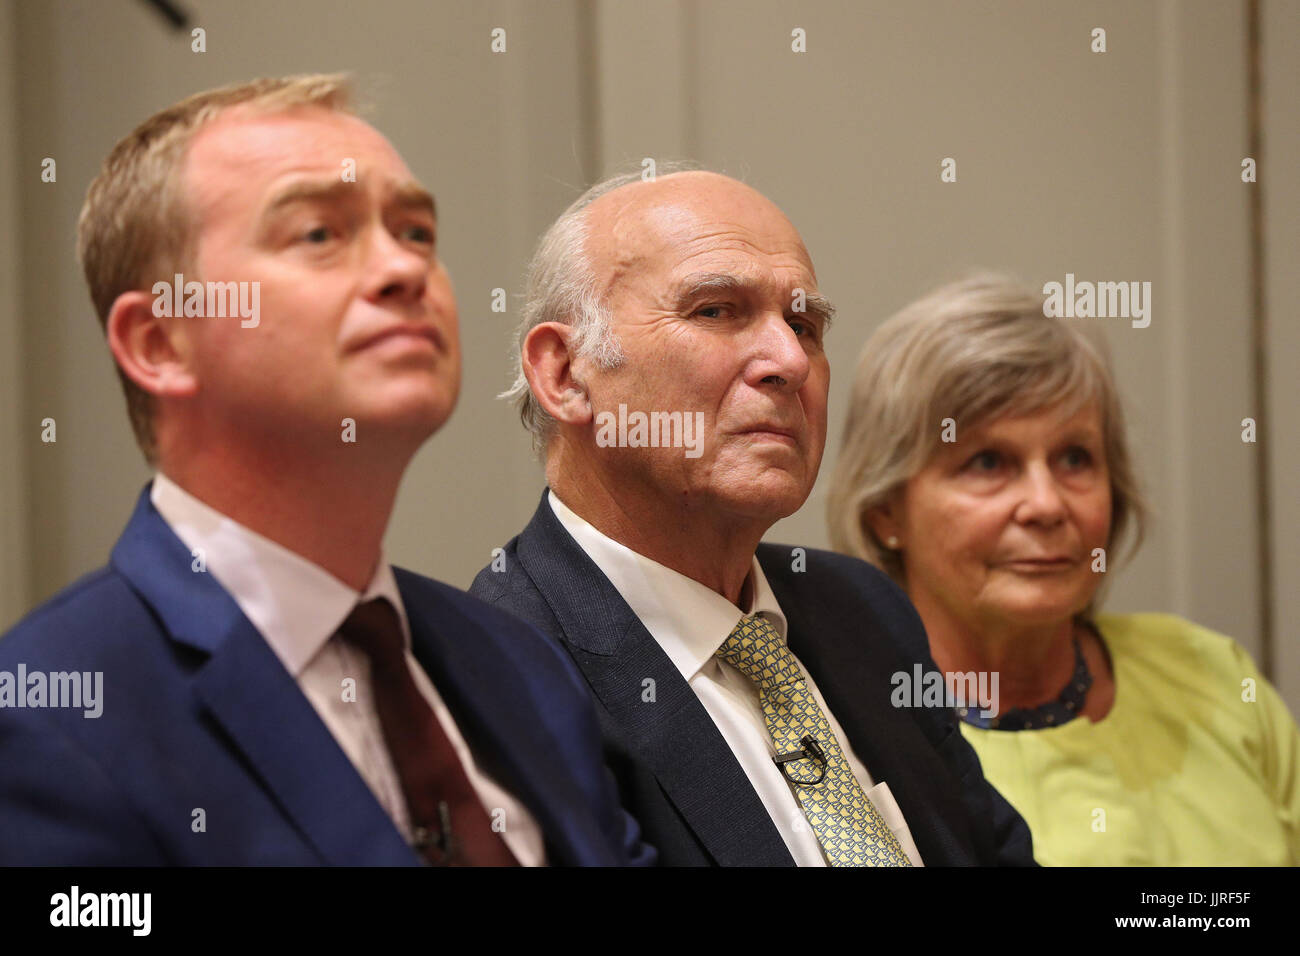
{"x": 449, "y": 824}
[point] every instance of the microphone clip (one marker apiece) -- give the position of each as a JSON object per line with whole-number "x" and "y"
{"x": 438, "y": 845}
{"x": 811, "y": 750}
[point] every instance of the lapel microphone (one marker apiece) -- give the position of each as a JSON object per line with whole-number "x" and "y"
{"x": 811, "y": 750}
{"x": 424, "y": 838}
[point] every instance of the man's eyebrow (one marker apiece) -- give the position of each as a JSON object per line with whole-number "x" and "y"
{"x": 712, "y": 283}
{"x": 309, "y": 191}
{"x": 407, "y": 194}
{"x": 723, "y": 283}
{"x": 818, "y": 304}
{"x": 412, "y": 195}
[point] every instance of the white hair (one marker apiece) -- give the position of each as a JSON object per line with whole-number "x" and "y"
{"x": 562, "y": 287}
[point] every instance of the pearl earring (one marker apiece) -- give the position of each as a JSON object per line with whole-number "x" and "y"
{"x": 892, "y": 543}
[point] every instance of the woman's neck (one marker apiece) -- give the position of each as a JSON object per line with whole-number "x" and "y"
{"x": 1033, "y": 663}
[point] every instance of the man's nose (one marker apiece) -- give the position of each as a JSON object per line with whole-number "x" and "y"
{"x": 395, "y": 272}
{"x": 780, "y": 357}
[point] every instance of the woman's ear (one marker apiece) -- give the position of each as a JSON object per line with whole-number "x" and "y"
{"x": 882, "y": 521}
{"x": 548, "y": 366}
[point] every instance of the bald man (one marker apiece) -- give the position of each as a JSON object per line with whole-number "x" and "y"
{"x": 672, "y": 367}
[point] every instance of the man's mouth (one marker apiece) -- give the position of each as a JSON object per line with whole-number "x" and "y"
{"x": 411, "y": 332}
{"x": 773, "y": 433}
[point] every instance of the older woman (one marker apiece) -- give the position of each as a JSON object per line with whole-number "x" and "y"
{"x": 985, "y": 467}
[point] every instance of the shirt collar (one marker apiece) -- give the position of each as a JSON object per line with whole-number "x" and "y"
{"x": 296, "y": 605}
{"x": 688, "y": 620}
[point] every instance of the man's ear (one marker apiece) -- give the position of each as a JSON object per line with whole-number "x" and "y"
{"x": 151, "y": 350}
{"x": 548, "y": 366}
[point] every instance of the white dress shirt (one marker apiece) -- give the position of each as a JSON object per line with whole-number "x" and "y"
{"x": 298, "y": 607}
{"x": 690, "y": 622}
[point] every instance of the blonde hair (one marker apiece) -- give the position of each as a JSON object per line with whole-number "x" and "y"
{"x": 136, "y": 227}
{"x": 973, "y": 350}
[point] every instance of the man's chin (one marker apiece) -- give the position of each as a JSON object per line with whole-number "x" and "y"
{"x": 766, "y": 500}
{"x": 415, "y": 417}
{"x": 423, "y": 421}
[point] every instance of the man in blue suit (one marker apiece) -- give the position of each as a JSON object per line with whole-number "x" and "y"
{"x": 257, "y": 684}
{"x": 672, "y": 365}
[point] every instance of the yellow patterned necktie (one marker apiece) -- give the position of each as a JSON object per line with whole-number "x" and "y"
{"x": 851, "y": 831}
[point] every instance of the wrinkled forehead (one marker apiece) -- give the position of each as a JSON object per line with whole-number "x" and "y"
{"x": 691, "y": 224}
{"x": 241, "y": 154}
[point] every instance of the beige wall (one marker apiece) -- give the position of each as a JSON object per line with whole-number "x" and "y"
{"x": 14, "y": 435}
{"x": 1281, "y": 88}
{"x": 1123, "y": 165}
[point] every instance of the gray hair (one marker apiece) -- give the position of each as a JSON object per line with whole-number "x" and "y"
{"x": 562, "y": 287}
{"x": 979, "y": 348}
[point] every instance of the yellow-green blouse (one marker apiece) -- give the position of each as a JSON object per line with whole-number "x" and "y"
{"x": 1186, "y": 769}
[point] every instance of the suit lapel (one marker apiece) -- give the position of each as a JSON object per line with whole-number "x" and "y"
{"x": 468, "y": 667}
{"x": 265, "y": 715}
{"x": 671, "y": 733}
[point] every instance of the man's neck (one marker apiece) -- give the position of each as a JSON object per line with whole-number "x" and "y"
{"x": 687, "y": 539}
{"x": 335, "y": 517}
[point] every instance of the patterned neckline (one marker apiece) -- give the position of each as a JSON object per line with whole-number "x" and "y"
{"x": 1067, "y": 705}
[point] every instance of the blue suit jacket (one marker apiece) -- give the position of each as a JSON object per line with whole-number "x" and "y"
{"x": 849, "y": 625}
{"x": 199, "y": 713}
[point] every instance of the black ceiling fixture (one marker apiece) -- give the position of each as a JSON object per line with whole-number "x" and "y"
{"x": 169, "y": 11}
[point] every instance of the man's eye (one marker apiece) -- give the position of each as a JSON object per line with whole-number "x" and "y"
{"x": 713, "y": 311}
{"x": 318, "y": 234}
{"x": 422, "y": 234}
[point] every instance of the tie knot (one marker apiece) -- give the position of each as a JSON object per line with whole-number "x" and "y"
{"x": 756, "y": 650}
{"x": 373, "y": 627}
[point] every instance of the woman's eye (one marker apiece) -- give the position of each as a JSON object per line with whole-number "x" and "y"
{"x": 985, "y": 461}
{"x": 1077, "y": 457}
{"x": 318, "y": 234}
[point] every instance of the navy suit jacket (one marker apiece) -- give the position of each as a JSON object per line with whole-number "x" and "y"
{"x": 199, "y": 713}
{"x": 849, "y": 625}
